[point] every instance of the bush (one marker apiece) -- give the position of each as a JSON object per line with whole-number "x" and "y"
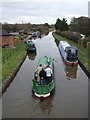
{"x": 74, "y": 36}
{"x": 58, "y": 32}
{"x": 85, "y": 41}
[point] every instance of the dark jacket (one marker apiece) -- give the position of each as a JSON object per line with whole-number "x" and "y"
{"x": 42, "y": 74}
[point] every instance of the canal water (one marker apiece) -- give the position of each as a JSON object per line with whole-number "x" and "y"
{"x": 70, "y": 99}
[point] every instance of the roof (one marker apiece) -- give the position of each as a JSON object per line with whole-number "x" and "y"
{"x": 45, "y": 60}
{"x": 30, "y": 42}
{"x": 64, "y": 44}
{"x": 21, "y": 30}
{"x": 4, "y": 33}
{"x": 14, "y": 33}
{"x": 71, "y": 47}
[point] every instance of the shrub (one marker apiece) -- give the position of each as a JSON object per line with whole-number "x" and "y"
{"x": 58, "y": 32}
{"x": 85, "y": 41}
{"x": 74, "y": 36}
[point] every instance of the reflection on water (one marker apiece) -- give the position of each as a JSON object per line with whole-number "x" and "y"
{"x": 46, "y": 32}
{"x": 32, "y": 55}
{"x": 41, "y": 36}
{"x": 71, "y": 71}
{"x": 67, "y": 101}
{"x": 43, "y": 107}
{"x": 57, "y": 42}
{"x": 34, "y": 38}
{"x": 43, "y": 33}
{"x": 46, "y": 106}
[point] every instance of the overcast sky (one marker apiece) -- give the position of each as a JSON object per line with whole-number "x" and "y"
{"x": 42, "y": 11}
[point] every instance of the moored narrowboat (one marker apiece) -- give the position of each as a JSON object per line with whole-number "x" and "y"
{"x": 69, "y": 53}
{"x": 43, "y": 91}
{"x": 30, "y": 45}
{"x": 36, "y": 34}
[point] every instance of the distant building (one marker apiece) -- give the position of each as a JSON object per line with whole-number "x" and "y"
{"x": 6, "y": 39}
{"x": 88, "y": 45}
{"x": 14, "y": 33}
{"x": 21, "y": 32}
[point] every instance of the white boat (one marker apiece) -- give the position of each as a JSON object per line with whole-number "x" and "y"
{"x": 69, "y": 53}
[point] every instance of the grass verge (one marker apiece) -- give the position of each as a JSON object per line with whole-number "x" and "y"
{"x": 0, "y": 65}
{"x": 9, "y": 65}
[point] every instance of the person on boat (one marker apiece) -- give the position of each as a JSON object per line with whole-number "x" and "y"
{"x": 42, "y": 75}
{"x": 48, "y": 74}
{"x": 38, "y": 71}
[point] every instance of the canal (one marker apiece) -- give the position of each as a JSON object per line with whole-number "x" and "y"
{"x": 70, "y": 99}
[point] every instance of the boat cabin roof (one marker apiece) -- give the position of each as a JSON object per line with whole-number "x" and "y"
{"x": 64, "y": 44}
{"x": 71, "y": 48}
{"x": 45, "y": 61}
{"x": 30, "y": 42}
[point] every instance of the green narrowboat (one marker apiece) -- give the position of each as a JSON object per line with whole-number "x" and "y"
{"x": 43, "y": 91}
{"x": 30, "y": 45}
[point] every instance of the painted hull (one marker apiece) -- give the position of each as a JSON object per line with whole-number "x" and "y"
{"x": 44, "y": 96}
{"x": 74, "y": 63}
{"x": 31, "y": 49}
{"x": 43, "y": 91}
{"x": 30, "y": 45}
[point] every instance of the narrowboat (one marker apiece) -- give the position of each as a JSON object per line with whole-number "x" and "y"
{"x": 36, "y": 34}
{"x": 69, "y": 53}
{"x": 43, "y": 91}
{"x": 30, "y": 45}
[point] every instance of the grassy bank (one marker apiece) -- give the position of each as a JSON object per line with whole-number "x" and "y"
{"x": 0, "y": 65}
{"x": 51, "y": 29}
{"x": 16, "y": 55}
{"x": 82, "y": 52}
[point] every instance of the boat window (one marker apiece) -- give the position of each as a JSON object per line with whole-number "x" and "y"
{"x": 73, "y": 51}
{"x": 33, "y": 45}
{"x": 29, "y": 41}
{"x": 72, "y": 58}
{"x": 65, "y": 50}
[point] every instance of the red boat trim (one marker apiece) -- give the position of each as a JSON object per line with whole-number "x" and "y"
{"x": 75, "y": 64}
{"x": 68, "y": 63}
{"x": 71, "y": 63}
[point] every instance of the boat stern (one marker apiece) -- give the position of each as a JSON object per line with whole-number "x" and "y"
{"x": 42, "y": 96}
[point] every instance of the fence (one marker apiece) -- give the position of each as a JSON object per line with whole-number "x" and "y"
{"x": 9, "y": 55}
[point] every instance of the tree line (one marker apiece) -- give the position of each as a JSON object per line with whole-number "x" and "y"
{"x": 61, "y": 24}
{"x": 27, "y": 27}
{"x": 74, "y": 30}
{"x": 80, "y": 24}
